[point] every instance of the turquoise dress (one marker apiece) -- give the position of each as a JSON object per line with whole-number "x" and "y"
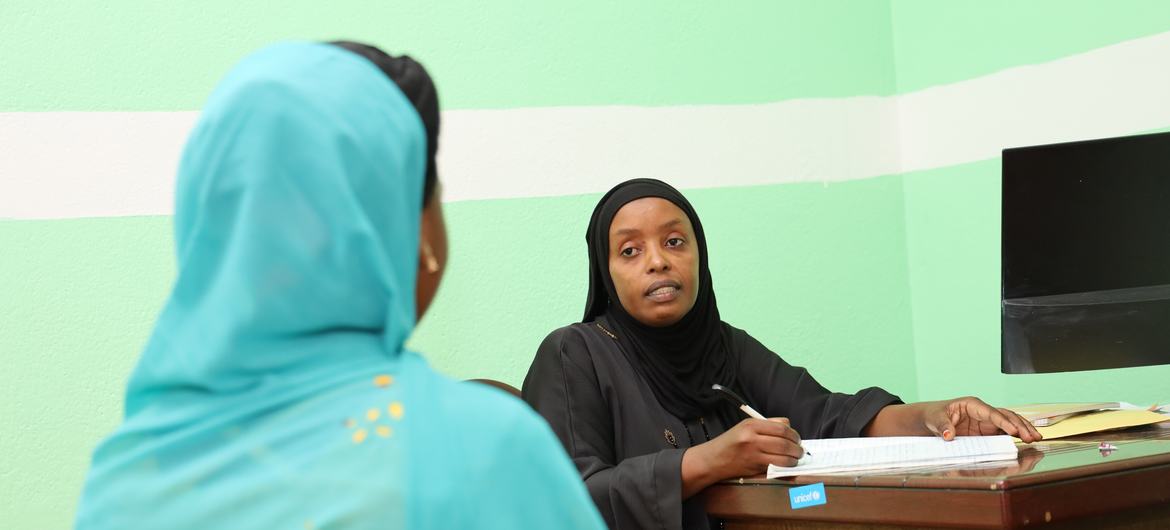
{"x": 276, "y": 391}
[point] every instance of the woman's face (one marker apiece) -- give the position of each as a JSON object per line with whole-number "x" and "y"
{"x": 432, "y": 255}
{"x": 654, "y": 261}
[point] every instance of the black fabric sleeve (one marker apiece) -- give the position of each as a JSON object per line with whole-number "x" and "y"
{"x": 638, "y": 492}
{"x": 783, "y": 390}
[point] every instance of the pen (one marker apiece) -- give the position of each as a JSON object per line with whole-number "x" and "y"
{"x": 741, "y": 403}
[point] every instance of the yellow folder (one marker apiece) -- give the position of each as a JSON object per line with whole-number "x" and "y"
{"x": 1101, "y": 421}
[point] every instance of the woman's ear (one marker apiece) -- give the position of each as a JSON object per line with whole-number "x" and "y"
{"x": 426, "y": 257}
{"x": 432, "y": 256}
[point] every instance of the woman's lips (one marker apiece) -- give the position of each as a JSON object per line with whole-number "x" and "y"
{"x": 663, "y": 291}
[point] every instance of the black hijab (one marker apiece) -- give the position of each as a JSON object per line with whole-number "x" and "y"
{"x": 682, "y": 360}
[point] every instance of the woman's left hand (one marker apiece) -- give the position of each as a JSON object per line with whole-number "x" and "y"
{"x": 971, "y": 416}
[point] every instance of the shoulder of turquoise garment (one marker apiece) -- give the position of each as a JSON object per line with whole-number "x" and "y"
{"x": 474, "y": 404}
{"x": 506, "y": 462}
{"x": 534, "y": 469}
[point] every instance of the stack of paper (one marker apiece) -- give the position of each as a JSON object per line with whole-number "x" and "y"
{"x": 839, "y": 455}
{"x": 1046, "y": 414}
{"x": 1161, "y": 407}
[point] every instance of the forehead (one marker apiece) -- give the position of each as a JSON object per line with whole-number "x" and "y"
{"x": 648, "y": 215}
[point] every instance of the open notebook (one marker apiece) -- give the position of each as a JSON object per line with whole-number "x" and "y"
{"x": 837, "y": 455}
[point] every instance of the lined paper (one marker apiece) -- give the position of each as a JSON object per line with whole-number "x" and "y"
{"x": 837, "y": 455}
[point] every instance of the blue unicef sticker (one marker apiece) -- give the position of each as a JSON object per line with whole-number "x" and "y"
{"x": 805, "y": 496}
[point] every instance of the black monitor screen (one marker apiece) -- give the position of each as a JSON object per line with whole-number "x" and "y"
{"x": 1086, "y": 255}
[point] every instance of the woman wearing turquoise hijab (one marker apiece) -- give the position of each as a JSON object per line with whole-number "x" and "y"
{"x": 275, "y": 391}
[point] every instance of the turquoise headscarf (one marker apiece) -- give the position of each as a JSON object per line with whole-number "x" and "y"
{"x": 275, "y": 391}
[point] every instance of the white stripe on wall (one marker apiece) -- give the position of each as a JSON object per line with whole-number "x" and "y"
{"x": 1112, "y": 91}
{"x": 80, "y": 164}
{"x": 89, "y": 164}
{"x": 563, "y": 151}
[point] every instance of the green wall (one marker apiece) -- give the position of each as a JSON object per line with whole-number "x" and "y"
{"x": 889, "y": 280}
{"x": 943, "y": 42}
{"x": 143, "y": 55}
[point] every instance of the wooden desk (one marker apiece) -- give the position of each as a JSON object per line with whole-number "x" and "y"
{"x": 1061, "y": 484}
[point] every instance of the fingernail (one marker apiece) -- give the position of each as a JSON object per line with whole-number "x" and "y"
{"x": 947, "y": 433}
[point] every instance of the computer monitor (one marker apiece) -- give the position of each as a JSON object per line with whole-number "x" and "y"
{"x": 1086, "y": 255}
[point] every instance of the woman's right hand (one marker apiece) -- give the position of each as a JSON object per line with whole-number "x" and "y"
{"x": 742, "y": 451}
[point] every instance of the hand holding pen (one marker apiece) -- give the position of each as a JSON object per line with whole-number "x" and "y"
{"x": 741, "y": 403}
{"x": 745, "y": 450}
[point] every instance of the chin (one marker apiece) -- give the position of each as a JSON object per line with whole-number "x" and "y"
{"x": 659, "y": 321}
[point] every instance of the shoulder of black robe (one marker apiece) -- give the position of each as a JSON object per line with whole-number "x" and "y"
{"x": 561, "y": 372}
{"x": 779, "y": 389}
{"x": 576, "y": 382}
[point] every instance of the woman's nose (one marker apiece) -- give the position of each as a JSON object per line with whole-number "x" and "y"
{"x": 657, "y": 260}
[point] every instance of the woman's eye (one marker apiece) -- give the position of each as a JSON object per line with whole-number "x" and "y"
{"x": 629, "y": 251}
{"x": 674, "y": 242}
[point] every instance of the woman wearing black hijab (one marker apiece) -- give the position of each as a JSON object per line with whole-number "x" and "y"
{"x": 628, "y": 389}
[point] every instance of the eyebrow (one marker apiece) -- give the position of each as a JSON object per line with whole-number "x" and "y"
{"x": 663, "y": 226}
